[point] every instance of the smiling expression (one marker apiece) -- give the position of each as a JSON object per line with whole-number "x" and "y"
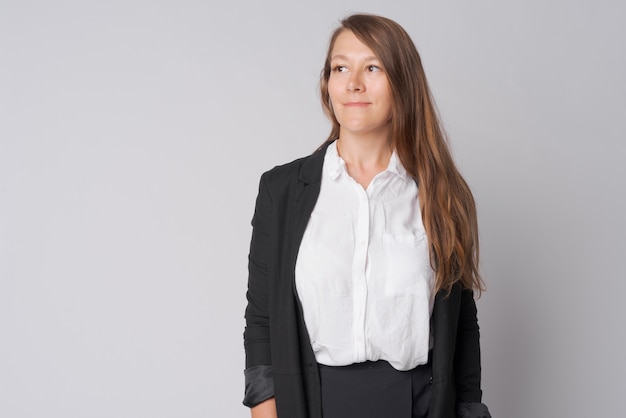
{"x": 358, "y": 88}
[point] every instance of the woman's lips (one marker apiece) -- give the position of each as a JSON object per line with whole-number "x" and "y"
{"x": 356, "y": 104}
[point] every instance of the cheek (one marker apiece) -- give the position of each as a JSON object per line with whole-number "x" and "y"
{"x": 386, "y": 96}
{"x": 334, "y": 97}
{"x": 383, "y": 91}
{"x": 333, "y": 89}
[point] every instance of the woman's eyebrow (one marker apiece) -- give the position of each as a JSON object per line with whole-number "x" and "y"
{"x": 343, "y": 57}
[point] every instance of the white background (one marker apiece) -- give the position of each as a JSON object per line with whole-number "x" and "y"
{"x": 132, "y": 137}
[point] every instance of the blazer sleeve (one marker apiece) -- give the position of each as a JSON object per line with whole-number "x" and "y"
{"x": 467, "y": 361}
{"x": 259, "y": 380}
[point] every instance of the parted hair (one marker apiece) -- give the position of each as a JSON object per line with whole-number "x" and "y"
{"x": 446, "y": 202}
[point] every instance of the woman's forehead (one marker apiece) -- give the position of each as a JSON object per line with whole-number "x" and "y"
{"x": 347, "y": 46}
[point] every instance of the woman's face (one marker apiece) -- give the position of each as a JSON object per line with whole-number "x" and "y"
{"x": 358, "y": 88}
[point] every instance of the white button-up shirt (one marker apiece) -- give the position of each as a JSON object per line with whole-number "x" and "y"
{"x": 363, "y": 272}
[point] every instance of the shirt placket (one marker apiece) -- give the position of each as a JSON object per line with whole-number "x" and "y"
{"x": 359, "y": 273}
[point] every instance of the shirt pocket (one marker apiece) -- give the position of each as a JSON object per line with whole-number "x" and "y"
{"x": 407, "y": 263}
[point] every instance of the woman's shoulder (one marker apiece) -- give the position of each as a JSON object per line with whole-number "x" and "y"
{"x": 307, "y": 169}
{"x": 286, "y": 170}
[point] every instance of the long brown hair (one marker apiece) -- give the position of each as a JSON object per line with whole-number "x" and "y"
{"x": 447, "y": 204}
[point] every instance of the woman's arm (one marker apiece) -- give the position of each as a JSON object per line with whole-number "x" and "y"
{"x": 256, "y": 334}
{"x": 467, "y": 354}
{"x": 467, "y": 368}
{"x": 266, "y": 409}
{"x": 258, "y": 373}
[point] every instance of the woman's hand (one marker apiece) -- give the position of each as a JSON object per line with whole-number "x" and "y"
{"x": 266, "y": 409}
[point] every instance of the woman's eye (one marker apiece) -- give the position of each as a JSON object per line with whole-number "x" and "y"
{"x": 340, "y": 68}
{"x": 373, "y": 68}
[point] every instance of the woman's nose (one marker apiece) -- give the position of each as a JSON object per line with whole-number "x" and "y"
{"x": 355, "y": 83}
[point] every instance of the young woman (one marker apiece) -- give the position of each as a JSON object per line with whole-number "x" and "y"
{"x": 364, "y": 255}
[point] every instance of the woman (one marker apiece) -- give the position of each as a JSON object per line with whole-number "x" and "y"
{"x": 364, "y": 255}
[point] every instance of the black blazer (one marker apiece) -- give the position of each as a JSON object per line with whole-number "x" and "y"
{"x": 276, "y": 339}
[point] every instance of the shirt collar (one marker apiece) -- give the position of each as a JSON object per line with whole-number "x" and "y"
{"x": 396, "y": 167}
{"x": 334, "y": 165}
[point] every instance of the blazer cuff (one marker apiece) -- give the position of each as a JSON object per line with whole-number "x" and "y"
{"x": 472, "y": 410}
{"x": 259, "y": 385}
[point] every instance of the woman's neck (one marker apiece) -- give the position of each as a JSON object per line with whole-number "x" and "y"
{"x": 365, "y": 157}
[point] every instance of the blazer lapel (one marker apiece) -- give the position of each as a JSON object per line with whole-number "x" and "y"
{"x": 306, "y": 194}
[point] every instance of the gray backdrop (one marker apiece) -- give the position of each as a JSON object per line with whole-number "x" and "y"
{"x": 132, "y": 137}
